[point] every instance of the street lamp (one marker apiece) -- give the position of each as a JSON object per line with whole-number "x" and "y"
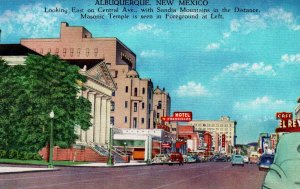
{"x": 110, "y": 158}
{"x": 125, "y": 148}
{"x": 50, "y": 165}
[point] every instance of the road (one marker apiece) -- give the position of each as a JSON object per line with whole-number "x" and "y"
{"x": 210, "y": 175}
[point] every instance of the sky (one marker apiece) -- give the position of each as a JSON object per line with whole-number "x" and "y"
{"x": 245, "y": 65}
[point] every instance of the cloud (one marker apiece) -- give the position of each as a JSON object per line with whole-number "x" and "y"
{"x": 273, "y": 17}
{"x": 261, "y": 108}
{"x": 290, "y": 59}
{"x": 151, "y": 53}
{"x": 192, "y": 89}
{"x": 31, "y": 20}
{"x": 150, "y": 28}
{"x": 248, "y": 69}
{"x": 212, "y": 46}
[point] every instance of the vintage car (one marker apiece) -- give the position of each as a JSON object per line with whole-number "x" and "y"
{"x": 237, "y": 160}
{"x": 176, "y": 158}
{"x": 284, "y": 172}
{"x": 160, "y": 159}
{"x": 265, "y": 161}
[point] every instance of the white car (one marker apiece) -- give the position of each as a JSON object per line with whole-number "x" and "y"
{"x": 246, "y": 159}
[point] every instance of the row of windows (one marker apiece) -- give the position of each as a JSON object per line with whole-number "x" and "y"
{"x": 135, "y": 91}
{"x": 126, "y": 119}
{"x": 71, "y": 50}
{"x": 135, "y": 106}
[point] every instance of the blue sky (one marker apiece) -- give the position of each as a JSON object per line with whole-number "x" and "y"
{"x": 246, "y": 65}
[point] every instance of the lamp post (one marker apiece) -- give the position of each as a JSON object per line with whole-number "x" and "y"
{"x": 110, "y": 158}
{"x": 50, "y": 165}
{"x": 125, "y": 148}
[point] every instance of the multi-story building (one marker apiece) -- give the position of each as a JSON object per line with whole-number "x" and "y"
{"x": 131, "y": 103}
{"x": 161, "y": 104}
{"x": 219, "y": 127}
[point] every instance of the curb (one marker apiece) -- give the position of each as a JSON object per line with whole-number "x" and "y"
{"x": 30, "y": 171}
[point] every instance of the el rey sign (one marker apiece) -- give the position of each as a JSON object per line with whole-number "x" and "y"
{"x": 179, "y": 116}
{"x": 286, "y": 122}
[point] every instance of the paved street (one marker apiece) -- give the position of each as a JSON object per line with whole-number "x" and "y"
{"x": 211, "y": 175}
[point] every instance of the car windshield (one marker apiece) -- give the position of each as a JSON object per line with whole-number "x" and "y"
{"x": 237, "y": 157}
{"x": 267, "y": 158}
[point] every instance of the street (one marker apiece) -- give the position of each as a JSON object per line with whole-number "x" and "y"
{"x": 210, "y": 175}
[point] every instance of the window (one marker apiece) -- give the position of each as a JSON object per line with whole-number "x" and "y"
{"x": 126, "y": 89}
{"x": 157, "y": 115}
{"x": 126, "y": 104}
{"x": 143, "y": 90}
{"x": 135, "y": 91}
{"x": 134, "y": 122}
{"x": 143, "y": 120}
{"x": 113, "y": 93}
{"x": 112, "y": 106}
{"x": 112, "y": 120}
{"x": 125, "y": 120}
{"x": 143, "y": 105}
{"x": 135, "y": 107}
{"x": 159, "y": 105}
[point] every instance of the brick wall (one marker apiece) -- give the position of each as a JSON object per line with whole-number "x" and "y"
{"x": 72, "y": 154}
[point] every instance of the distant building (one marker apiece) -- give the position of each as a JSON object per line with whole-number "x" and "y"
{"x": 161, "y": 104}
{"x": 297, "y": 110}
{"x": 222, "y": 126}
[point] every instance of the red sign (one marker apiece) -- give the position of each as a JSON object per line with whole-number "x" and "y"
{"x": 179, "y": 116}
{"x": 284, "y": 115}
{"x": 223, "y": 140}
{"x": 286, "y": 123}
{"x": 165, "y": 145}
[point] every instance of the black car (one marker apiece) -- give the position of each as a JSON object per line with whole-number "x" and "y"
{"x": 221, "y": 159}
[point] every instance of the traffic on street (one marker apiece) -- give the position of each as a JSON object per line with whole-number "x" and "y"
{"x": 207, "y": 175}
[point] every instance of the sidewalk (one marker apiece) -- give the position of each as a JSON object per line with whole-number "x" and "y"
{"x": 131, "y": 163}
{"x": 10, "y": 169}
{"x": 5, "y": 170}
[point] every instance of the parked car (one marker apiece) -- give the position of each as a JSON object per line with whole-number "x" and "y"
{"x": 246, "y": 159}
{"x": 160, "y": 158}
{"x": 190, "y": 159}
{"x": 237, "y": 160}
{"x": 284, "y": 172}
{"x": 221, "y": 159}
{"x": 254, "y": 159}
{"x": 176, "y": 158}
{"x": 265, "y": 161}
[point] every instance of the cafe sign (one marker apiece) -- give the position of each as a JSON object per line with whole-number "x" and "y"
{"x": 287, "y": 123}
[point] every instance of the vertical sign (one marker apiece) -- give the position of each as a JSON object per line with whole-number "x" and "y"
{"x": 223, "y": 140}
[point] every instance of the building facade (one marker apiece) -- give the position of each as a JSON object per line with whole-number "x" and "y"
{"x": 131, "y": 103}
{"x": 161, "y": 104}
{"x": 218, "y": 127}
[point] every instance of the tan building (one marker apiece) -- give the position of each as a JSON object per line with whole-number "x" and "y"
{"x": 161, "y": 104}
{"x": 219, "y": 127}
{"x": 131, "y": 104}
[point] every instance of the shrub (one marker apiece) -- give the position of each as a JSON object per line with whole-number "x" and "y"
{"x": 13, "y": 154}
{"x": 37, "y": 156}
{"x": 3, "y": 153}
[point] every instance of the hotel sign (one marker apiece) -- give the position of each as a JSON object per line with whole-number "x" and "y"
{"x": 179, "y": 116}
{"x": 286, "y": 122}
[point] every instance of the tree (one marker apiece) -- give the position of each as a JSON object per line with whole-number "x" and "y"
{"x": 44, "y": 84}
